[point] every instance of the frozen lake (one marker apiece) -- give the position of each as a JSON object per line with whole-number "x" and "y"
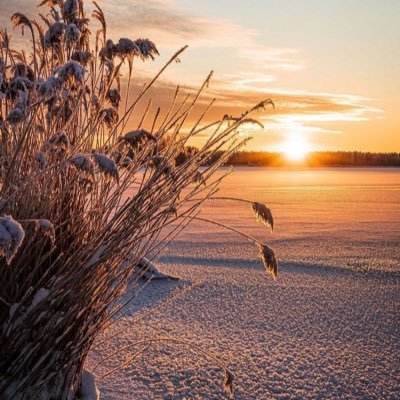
{"x": 328, "y": 328}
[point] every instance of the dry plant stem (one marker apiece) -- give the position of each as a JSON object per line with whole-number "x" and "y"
{"x": 230, "y": 228}
{"x": 192, "y": 346}
{"x": 140, "y": 317}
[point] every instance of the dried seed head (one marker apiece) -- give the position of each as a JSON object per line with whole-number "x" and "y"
{"x": 263, "y": 214}
{"x": 81, "y": 56}
{"x": 41, "y": 159}
{"x": 126, "y": 48}
{"x": 83, "y": 163}
{"x": 60, "y": 139}
{"x": 70, "y": 10}
{"x": 126, "y": 162}
{"x": 114, "y": 97}
{"x": 15, "y": 117}
{"x": 107, "y": 52}
{"x": 24, "y": 71}
{"x": 11, "y": 237}
{"x": 71, "y": 71}
{"x": 72, "y": 33}
{"x": 173, "y": 211}
{"x": 20, "y": 19}
{"x": 161, "y": 164}
{"x": 95, "y": 103}
{"x": 19, "y": 83}
{"x": 106, "y": 165}
{"x": 22, "y": 100}
{"x": 228, "y": 382}
{"x": 54, "y": 34}
{"x": 49, "y": 88}
{"x": 137, "y": 137}
{"x": 47, "y": 228}
{"x": 147, "y": 49}
{"x": 199, "y": 178}
{"x": 269, "y": 260}
{"x": 110, "y": 116}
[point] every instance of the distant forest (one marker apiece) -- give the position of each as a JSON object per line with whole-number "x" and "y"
{"x": 314, "y": 159}
{"x": 322, "y": 158}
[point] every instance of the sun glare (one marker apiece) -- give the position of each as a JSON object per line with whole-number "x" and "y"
{"x": 295, "y": 149}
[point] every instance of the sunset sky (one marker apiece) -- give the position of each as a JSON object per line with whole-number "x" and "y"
{"x": 332, "y": 67}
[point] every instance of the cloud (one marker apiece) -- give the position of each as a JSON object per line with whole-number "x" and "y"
{"x": 255, "y": 67}
{"x": 170, "y": 26}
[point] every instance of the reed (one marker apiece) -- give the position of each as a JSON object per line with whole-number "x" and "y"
{"x": 82, "y": 200}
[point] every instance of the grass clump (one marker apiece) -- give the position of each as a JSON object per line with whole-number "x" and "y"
{"x": 80, "y": 195}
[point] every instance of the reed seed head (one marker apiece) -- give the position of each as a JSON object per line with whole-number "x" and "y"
{"x": 263, "y": 214}
{"x": 228, "y": 382}
{"x": 11, "y": 237}
{"x": 269, "y": 260}
{"x": 106, "y": 165}
{"x": 46, "y": 228}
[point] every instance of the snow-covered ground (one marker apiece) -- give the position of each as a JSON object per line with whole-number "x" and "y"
{"x": 328, "y": 328}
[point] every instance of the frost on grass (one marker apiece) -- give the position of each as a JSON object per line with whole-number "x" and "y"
{"x": 106, "y": 165}
{"x": 134, "y": 138}
{"x": 11, "y": 237}
{"x": 46, "y": 228}
{"x": 49, "y": 88}
{"x": 83, "y": 163}
{"x": 72, "y": 33}
{"x": 15, "y": 117}
{"x": 41, "y": 159}
{"x": 71, "y": 71}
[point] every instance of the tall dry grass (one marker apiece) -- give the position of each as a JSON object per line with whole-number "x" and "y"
{"x": 82, "y": 199}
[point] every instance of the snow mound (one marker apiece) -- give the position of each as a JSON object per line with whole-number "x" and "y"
{"x": 88, "y": 389}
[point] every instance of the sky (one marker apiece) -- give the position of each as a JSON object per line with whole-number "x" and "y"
{"x": 332, "y": 67}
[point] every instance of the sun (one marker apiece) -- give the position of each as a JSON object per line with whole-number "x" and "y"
{"x": 295, "y": 148}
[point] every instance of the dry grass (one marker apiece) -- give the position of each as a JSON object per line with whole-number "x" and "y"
{"x": 67, "y": 162}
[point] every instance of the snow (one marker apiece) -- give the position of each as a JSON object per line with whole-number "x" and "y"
{"x": 97, "y": 255}
{"x": 88, "y": 390}
{"x": 39, "y": 296}
{"x": 328, "y": 326}
{"x": 148, "y": 270}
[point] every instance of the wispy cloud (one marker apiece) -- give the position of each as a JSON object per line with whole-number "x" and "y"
{"x": 170, "y": 26}
{"x": 256, "y": 76}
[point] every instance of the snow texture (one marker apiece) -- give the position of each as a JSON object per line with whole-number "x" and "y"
{"x": 89, "y": 389}
{"x": 327, "y": 328}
